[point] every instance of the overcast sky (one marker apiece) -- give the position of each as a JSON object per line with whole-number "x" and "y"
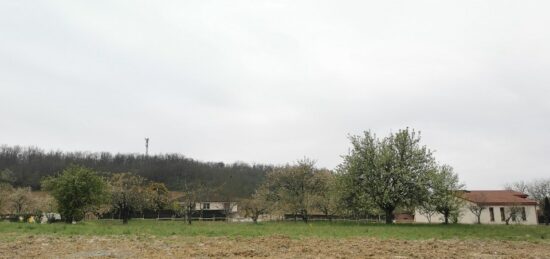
{"x": 274, "y": 81}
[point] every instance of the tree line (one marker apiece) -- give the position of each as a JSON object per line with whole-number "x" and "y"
{"x": 29, "y": 165}
{"x": 378, "y": 176}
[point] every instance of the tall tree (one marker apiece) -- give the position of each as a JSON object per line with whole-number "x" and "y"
{"x": 129, "y": 194}
{"x": 77, "y": 190}
{"x": 392, "y": 172}
{"x": 295, "y": 187}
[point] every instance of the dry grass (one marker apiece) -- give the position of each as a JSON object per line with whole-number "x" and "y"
{"x": 23, "y": 246}
{"x": 151, "y": 239}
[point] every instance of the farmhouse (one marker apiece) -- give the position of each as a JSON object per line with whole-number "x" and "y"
{"x": 209, "y": 209}
{"x": 493, "y": 207}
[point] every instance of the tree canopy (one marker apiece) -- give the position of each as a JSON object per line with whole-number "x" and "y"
{"x": 27, "y": 166}
{"x": 77, "y": 190}
{"x": 390, "y": 172}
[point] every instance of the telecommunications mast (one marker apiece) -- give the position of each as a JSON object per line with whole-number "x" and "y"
{"x": 146, "y": 146}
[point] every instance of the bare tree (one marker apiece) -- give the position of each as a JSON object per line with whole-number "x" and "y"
{"x": 20, "y": 200}
{"x": 428, "y": 210}
{"x": 228, "y": 207}
{"x": 477, "y": 209}
{"x": 256, "y": 205}
{"x": 520, "y": 186}
{"x": 513, "y": 213}
{"x": 192, "y": 194}
{"x": 539, "y": 189}
{"x": 536, "y": 189}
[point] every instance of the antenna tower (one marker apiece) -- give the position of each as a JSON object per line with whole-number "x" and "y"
{"x": 146, "y": 146}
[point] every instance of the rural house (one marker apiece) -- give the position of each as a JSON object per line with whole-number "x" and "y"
{"x": 208, "y": 209}
{"x": 493, "y": 207}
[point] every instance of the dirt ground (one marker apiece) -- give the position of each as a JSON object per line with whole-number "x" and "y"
{"x": 274, "y": 247}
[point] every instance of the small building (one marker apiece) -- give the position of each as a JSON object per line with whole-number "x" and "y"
{"x": 217, "y": 206}
{"x": 496, "y": 206}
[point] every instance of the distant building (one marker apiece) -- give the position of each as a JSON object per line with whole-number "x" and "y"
{"x": 497, "y": 207}
{"x": 230, "y": 207}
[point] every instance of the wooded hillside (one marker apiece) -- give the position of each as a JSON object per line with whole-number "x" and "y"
{"x": 30, "y": 164}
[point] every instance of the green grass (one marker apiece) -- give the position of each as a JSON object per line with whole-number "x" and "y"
{"x": 290, "y": 229}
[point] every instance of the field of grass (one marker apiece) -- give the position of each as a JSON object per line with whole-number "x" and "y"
{"x": 294, "y": 230}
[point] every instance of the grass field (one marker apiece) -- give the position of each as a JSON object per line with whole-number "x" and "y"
{"x": 176, "y": 239}
{"x": 289, "y": 229}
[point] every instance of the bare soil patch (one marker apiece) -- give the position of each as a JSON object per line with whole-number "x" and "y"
{"x": 45, "y": 246}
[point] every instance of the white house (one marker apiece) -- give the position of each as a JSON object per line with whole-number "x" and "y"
{"x": 230, "y": 207}
{"x": 496, "y": 207}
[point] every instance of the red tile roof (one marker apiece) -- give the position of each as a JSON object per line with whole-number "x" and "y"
{"x": 501, "y": 197}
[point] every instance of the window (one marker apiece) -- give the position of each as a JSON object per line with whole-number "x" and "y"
{"x": 492, "y": 212}
{"x": 502, "y": 215}
{"x": 206, "y": 206}
{"x": 523, "y": 214}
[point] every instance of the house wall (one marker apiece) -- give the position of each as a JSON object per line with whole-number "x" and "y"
{"x": 467, "y": 217}
{"x": 216, "y": 206}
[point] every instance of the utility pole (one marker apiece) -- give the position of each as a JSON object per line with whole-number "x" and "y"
{"x": 146, "y": 146}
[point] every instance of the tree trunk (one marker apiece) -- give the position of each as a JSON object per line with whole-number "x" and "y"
{"x": 446, "y": 216}
{"x": 189, "y": 214}
{"x": 125, "y": 215}
{"x": 304, "y": 216}
{"x": 389, "y": 215}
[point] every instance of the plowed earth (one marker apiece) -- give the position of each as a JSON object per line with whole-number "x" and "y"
{"x": 44, "y": 246}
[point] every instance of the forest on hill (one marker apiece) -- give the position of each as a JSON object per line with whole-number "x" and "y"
{"x": 29, "y": 165}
